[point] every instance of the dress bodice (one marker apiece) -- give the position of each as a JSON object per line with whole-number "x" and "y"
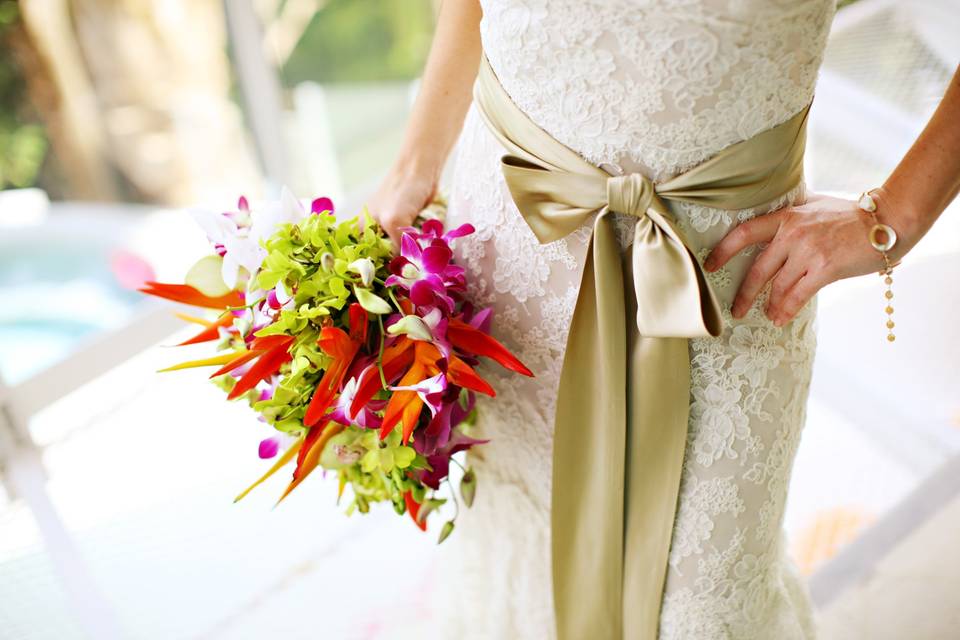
{"x": 656, "y": 86}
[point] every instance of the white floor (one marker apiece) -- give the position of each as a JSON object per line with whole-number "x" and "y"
{"x": 143, "y": 468}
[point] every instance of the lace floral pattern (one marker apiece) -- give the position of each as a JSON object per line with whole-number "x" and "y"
{"x": 657, "y": 87}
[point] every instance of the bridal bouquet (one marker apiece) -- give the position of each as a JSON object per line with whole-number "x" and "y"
{"x": 340, "y": 346}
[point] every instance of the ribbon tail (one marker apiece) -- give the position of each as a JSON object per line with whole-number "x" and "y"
{"x": 658, "y": 383}
{"x": 589, "y": 451}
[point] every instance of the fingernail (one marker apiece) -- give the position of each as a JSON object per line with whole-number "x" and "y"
{"x": 709, "y": 264}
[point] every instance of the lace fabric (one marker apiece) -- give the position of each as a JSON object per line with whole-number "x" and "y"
{"x": 656, "y": 87}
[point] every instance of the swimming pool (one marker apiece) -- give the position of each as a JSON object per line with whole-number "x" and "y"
{"x": 61, "y": 279}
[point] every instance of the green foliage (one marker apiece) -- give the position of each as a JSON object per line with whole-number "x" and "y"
{"x": 363, "y": 41}
{"x": 374, "y": 468}
{"x": 312, "y": 258}
{"x": 23, "y": 143}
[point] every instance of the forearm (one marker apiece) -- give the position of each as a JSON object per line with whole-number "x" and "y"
{"x": 928, "y": 178}
{"x": 445, "y": 90}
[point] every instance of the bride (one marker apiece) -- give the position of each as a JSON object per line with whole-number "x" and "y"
{"x": 654, "y": 88}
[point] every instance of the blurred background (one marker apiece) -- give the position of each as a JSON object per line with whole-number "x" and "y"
{"x": 116, "y": 483}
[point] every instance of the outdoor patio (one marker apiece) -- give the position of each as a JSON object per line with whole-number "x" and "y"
{"x": 116, "y": 483}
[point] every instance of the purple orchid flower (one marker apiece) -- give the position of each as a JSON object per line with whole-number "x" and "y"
{"x": 480, "y": 320}
{"x": 437, "y": 432}
{"x": 321, "y": 205}
{"x": 269, "y": 447}
{"x": 278, "y": 298}
{"x": 426, "y": 273}
{"x": 440, "y": 461}
{"x": 433, "y": 230}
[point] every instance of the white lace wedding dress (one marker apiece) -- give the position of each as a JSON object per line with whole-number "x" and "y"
{"x": 655, "y": 86}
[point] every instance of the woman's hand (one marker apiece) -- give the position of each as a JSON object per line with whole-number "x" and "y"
{"x": 809, "y": 246}
{"x": 400, "y": 198}
{"x": 825, "y": 239}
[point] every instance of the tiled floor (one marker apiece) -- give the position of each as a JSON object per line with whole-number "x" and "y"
{"x": 913, "y": 593}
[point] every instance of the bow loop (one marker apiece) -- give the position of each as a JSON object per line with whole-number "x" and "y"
{"x": 631, "y": 194}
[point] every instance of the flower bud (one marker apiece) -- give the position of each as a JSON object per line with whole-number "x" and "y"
{"x": 446, "y": 531}
{"x": 468, "y": 487}
{"x": 327, "y": 261}
{"x": 364, "y": 267}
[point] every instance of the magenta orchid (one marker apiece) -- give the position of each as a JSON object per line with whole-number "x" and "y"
{"x": 426, "y": 272}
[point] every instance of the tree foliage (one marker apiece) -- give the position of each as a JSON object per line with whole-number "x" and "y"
{"x": 363, "y": 41}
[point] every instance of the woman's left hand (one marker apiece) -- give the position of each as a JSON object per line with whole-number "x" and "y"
{"x": 809, "y": 246}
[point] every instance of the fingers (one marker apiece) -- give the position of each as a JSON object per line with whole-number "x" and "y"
{"x": 758, "y": 229}
{"x": 784, "y": 280}
{"x": 392, "y": 224}
{"x": 392, "y": 227}
{"x": 764, "y": 266}
{"x": 797, "y": 297}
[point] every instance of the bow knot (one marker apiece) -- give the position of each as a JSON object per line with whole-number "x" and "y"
{"x": 631, "y": 194}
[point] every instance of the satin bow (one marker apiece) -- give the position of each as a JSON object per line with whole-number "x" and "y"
{"x": 623, "y": 401}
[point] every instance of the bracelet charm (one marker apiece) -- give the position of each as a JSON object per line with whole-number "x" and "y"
{"x": 867, "y": 204}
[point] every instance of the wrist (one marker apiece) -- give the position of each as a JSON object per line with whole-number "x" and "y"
{"x": 419, "y": 164}
{"x": 898, "y": 213}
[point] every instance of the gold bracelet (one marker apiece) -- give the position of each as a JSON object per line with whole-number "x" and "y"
{"x": 869, "y": 205}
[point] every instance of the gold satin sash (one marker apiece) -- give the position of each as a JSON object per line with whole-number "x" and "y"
{"x": 623, "y": 403}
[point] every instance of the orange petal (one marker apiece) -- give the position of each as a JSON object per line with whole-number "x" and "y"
{"x": 310, "y": 454}
{"x": 463, "y": 375}
{"x": 358, "y": 323}
{"x": 263, "y": 343}
{"x": 413, "y": 507}
{"x": 267, "y": 365}
{"x": 370, "y": 384}
{"x": 188, "y": 295}
{"x": 476, "y": 342}
{"x": 411, "y": 414}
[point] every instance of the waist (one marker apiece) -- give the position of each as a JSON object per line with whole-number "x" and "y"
{"x": 634, "y": 133}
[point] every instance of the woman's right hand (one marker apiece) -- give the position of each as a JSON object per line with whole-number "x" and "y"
{"x": 400, "y": 198}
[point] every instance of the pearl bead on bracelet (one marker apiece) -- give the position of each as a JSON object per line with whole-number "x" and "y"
{"x": 867, "y": 204}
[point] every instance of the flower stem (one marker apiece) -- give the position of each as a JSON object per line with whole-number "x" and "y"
{"x": 246, "y": 306}
{"x": 458, "y": 464}
{"x": 383, "y": 377}
{"x": 453, "y": 494}
{"x": 395, "y": 303}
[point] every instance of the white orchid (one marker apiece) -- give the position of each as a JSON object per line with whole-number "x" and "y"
{"x": 237, "y": 234}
